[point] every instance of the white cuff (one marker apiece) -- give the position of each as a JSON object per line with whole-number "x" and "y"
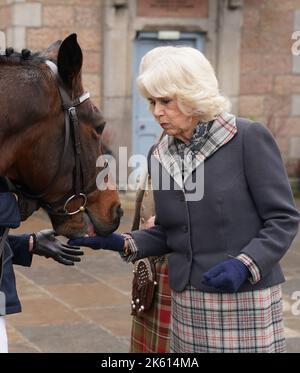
{"x": 253, "y": 268}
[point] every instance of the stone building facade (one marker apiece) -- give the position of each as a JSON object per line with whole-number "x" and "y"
{"x": 249, "y": 42}
{"x": 36, "y": 24}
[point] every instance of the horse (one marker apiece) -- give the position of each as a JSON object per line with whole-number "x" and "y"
{"x": 50, "y": 139}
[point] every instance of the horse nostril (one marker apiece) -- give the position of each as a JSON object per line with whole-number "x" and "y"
{"x": 117, "y": 212}
{"x": 120, "y": 212}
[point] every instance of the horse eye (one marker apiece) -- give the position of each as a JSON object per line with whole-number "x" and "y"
{"x": 99, "y": 130}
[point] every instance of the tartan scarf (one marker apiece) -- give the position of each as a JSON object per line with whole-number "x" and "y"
{"x": 180, "y": 159}
{"x": 194, "y": 145}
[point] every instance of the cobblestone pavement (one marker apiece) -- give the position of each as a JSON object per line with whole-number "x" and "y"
{"x": 86, "y": 308}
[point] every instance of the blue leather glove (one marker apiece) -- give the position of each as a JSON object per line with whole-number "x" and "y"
{"x": 114, "y": 242}
{"x": 228, "y": 275}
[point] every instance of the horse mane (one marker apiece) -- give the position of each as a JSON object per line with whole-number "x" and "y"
{"x": 25, "y": 57}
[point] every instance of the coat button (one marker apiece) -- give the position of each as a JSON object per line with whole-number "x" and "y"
{"x": 185, "y": 229}
{"x": 188, "y": 256}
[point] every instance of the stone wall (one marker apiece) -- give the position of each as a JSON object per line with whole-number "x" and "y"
{"x": 36, "y": 24}
{"x": 249, "y": 43}
{"x": 270, "y": 74}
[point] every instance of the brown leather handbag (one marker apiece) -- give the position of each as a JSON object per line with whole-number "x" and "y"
{"x": 143, "y": 286}
{"x": 144, "y": 273}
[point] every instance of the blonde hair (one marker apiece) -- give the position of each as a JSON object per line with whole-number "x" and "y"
{"x": 185, "y": 74}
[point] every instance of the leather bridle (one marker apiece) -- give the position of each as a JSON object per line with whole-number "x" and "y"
{"x": 71, "y": 125}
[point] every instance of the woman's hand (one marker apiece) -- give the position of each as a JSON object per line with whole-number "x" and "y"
{"x": 228, "y": 275}
{"x": 150, "y": 222}
{"x": 114, "y": 242}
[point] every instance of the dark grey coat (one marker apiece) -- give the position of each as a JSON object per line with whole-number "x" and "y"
{"x": 16, "y": 252}
{"x": 247, "y": 207}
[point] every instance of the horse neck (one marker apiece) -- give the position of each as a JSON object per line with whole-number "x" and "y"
{"x": 28, "y": 150}
{"x": 29, "y": 117}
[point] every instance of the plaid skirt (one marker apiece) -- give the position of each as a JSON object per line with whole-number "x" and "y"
{"x": 216, "y": 322}
{"x": 150, "y": 331}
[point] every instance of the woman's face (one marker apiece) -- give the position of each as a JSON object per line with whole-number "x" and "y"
{"x": 171, "y": 119}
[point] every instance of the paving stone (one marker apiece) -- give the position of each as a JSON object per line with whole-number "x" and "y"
{"x": 293, "y": 345}
{"x": 88, "y": 295}
{"x": 116, "y": 320}
{"x": 290, "y": 333}
{"x": 122, "y": 282}
{"x": 28, "y": 290}
{"x": 21, "y": 348}
{"x": 13, "y": 335}
{"x": 292, "y": 259}
{"x": 293, "y": 324}
{"x": 291, "y": 286}
{"x": 57, "y": 274}
{"x": 109, "y": 264}
{"x": 43, "y": 312}
{"x": 83, "y": 337}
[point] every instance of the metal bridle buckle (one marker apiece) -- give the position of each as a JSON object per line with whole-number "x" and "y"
{"x": 80, "y": 209}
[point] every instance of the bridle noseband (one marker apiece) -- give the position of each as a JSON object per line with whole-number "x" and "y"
{"x": 71, "y": 125}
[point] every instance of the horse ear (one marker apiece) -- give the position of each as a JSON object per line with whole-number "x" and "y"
{"x": 69, "y": 60}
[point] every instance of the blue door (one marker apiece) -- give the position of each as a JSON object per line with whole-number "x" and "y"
{"x": 145, "y": 130}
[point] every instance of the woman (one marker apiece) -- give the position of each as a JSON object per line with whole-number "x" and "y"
{"x": 225, "y": 233}
{"x": 150, "y": 326}
{"x": 19, "y": 250}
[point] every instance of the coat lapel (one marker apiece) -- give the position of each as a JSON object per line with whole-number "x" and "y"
{"x": 168, "y": 160}
{"x": 222, "y": 131}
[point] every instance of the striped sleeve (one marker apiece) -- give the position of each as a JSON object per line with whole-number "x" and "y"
{"x": 253, "y": 268}
{"x": 132, "y": 248}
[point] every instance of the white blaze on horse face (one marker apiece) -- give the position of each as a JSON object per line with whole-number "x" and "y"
{"x": 2, "y": 42}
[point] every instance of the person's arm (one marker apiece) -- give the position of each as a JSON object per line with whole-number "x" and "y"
{"x": 131, "y": 246}
{"x": 150, "y": 242}
{"x": 20, "y": 248}
{"x": 272, "y": 195}
{"x": 9, "y": 209}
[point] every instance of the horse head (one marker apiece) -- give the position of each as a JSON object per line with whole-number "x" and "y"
{"x": 50, "y": 139}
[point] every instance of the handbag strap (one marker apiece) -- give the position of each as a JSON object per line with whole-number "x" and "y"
{"x": 140, "y": 195}
{"x": 137, "y": 211}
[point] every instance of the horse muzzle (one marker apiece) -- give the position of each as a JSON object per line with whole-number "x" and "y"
{"x": 94, "y": 227}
